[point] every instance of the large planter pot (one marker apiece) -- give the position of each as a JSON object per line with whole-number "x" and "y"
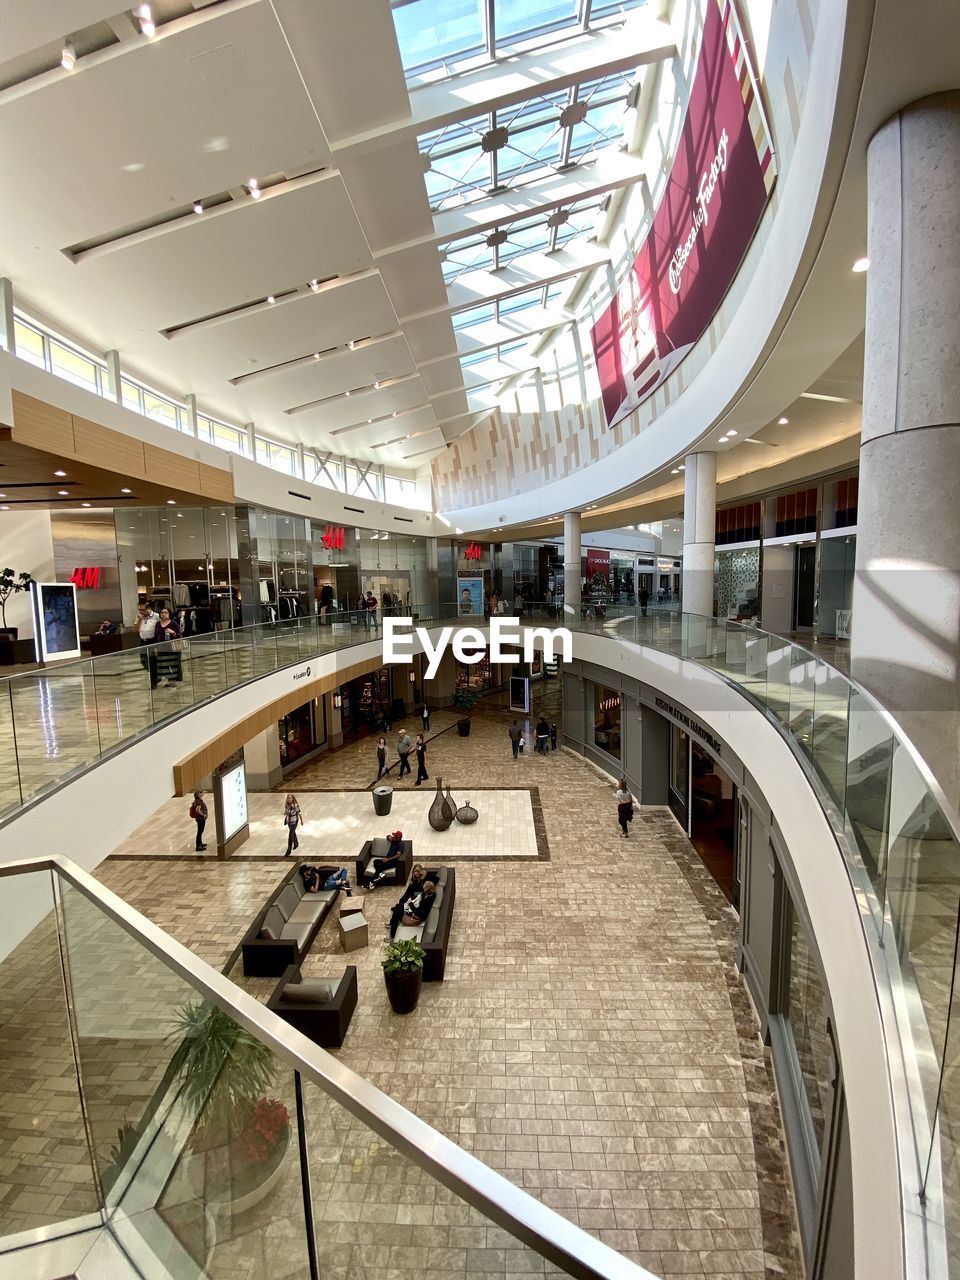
{"x": 449, "y": 806}
{"x": 382, "y": 801}
{"x": 463, "y": 728}
{"x": 243, "y": 1191}
{"x": 403, "y": 989}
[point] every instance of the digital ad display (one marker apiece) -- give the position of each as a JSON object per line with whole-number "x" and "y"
{"x": 520, "y": 693}
{"x": 55, "y": 620}
{"x": 233, "y": 800}
{"x": 470, "y": 597}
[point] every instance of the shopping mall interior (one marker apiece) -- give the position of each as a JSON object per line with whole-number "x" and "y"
{"x": 338, "y": 940}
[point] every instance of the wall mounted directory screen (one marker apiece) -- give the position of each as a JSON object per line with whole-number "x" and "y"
{"x": 55, "y": 627}
{"x": 233, "y": 800}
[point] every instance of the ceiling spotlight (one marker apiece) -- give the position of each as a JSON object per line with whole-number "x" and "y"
{"x": 171, "y": 502}
{"x": 674, "y": 471}
{"x": 253, "y": 186}
{"x": 351, "y": 344}
{"x": 314, "y": 285}
{"x": 681, "y": 467}
{"x": 68, "y": 56}
{"x": 197, "y": 207}
{"x": 2, "y": 495}
{"x": 782, "y": 422}
{"x": 271, "y": 299}
{"x": 59, "y": 473}
{"x": 179, "y": 515}
{"x": 4, "y": 508}
{"x": 369, "y": 422}
{"x": 376, "y": 386}
{"x": 861, "y": 265}
{"x": 125, "y": 491}
{"x": 84, "y": 504}
{"x": 731, "y": 432}
{"x": 394, "y": 413}
{"x": 316, "y": 355}
{"x": 346, "y": 393}
{"x": 147, "y": 24}
{"x": 64, "y": 493}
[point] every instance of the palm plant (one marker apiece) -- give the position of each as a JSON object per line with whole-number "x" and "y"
{"x": 224, "y": 1069}
{"x": 11, "y": 584}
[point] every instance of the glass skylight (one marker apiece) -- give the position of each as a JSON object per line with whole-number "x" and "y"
{"x": 438, "y": 38}
{"x": 541, "y": 233}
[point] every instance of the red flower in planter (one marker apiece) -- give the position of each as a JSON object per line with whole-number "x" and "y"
{"x": 266, "y": 1126}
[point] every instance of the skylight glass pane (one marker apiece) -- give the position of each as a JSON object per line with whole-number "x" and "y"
{"x": 474, "y": 315}
{"x": 612, "y": 8}
{"x": 432, "y": 32}
{"x": 466, "y": 257}
{"x": 529, "y": 153}
{"x": 518, "y": 20}
{"x": 525, "y": 240}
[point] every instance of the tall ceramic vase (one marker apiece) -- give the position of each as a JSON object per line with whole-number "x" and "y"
{"x": 449, "y": 806}
{"x": 438, "y": 816}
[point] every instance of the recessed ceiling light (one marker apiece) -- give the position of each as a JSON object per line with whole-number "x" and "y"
{"x": 674, "y": 471}
{"x": 271, "y": 299}
{"x": 4, "y": 508}
{"x": 782, "y": 422}
{"x": 376, "y": 386}
{"x": 59, "y": 473}
{"x": 731, "y": 432}
{"x": 346, "y": 393}
{"x": 254, "y": 188}
{"x": 68, "y": 56}
{"x": 351, "y": 344}
{"x": 171, "y": 502}
{"x": 179, "y": 515}
{"x": 62, "y": 492}
{"x": 394, "y": 413}
{"x": 861, "y": 264}
{"x": 84, "y": 504}
{"x": 197, "y": 206}
{"x": 681, "y": 467}
{"x": 316, "y": 355}
{"x": 147, "y": 24}
{"x": 124, "y": 490}
{"x": 314, "y": 285}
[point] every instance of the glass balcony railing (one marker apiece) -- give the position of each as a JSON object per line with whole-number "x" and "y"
{"x": 896, "y": 832}
{"x": 191, "y": 1130}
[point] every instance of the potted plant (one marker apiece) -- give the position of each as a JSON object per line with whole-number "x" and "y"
{"x": 465, "y": 700}
{"x": 225, "y": 1073}
{"x": 11, "y": 584}
{"x": 403, "y": 973}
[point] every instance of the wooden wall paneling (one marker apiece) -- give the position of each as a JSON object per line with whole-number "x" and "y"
{"x": 100, "y": 447}
{"x": 216, "y": 483}
{"x": 165, "y": 468}
{"x": 42, "y": 425}
{"x": 189, "y": 772}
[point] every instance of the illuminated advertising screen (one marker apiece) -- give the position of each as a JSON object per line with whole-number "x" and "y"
{"x": 470, "y": 597}
{"x": 718, "y": 187}
{"x": 56, "y": 632}
{"x": 233, "y": 800}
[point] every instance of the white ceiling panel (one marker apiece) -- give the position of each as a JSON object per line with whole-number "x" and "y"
{"x": 414, "y": 280}
{"x": 136, "y": 134}
{"x": 28, "y": 27}
{"x": 431, "y": 336}
{"x": 406, "y": 215}
{"x": 345, "y": 411}
{"x": 336, "y": 315}
{"x": 238, "y": 253}
{"x": 445, "y": 375}
{"x": 333, "y": 376}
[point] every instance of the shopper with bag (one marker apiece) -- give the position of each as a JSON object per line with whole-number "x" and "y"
{"x": 624, "y": 807}
{"x": 198, "y": 812}
{"x": 292, "y": 817}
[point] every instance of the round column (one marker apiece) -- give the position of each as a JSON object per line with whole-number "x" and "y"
{"x": 905, "y": 645}
{"x": 571, "y": 565}
{"x": 699, "y": 532}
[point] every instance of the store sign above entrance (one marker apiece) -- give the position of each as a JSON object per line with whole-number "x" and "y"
{"x": 86, "y": 577}
{"x": 690, "y": 725}
{"x": 722, "y": 176}
{"x": 333, "y": 537}
{"x": 473, "y": 551}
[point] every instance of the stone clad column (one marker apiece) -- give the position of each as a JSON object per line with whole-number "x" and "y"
{"x": 906, "y": 600}
{"x": 571, "y": 565}
{"x": 699, "y": 532}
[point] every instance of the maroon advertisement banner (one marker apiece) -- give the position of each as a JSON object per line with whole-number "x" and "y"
{"x": 598, "y": 562}
{"x": 715, "y": 195}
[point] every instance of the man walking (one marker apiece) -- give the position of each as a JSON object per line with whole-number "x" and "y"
{"x": 404, "y": 746}
{"x": 515, "y": 733}
{"x": 553, "y": 737}
{"x": 425, "y": 717}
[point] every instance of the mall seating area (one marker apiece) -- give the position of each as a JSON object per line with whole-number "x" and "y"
{"x": 283, "y": 930}
{"x": 321, "y": 1009}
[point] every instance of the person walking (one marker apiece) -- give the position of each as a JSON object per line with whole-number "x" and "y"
{"x": 624, "y": 807}
{"x": 404, "y": 745}
{"x": 553, "y": 737}
{"x": 515, "y": 734}
{"x": 425, "y": 717}
{"x": 198, "y": 812}
{"x": 292, "y": 817}
{"x": 168, "y": 658}
{"x": 146, "y": 628}
{"x": 421, "y": 748}
{"x": 644, "y": 600}
{"x": 543, "y": 736}
{"x": 381, "y": 757}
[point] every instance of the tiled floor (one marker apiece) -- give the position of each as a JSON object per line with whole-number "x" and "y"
{"x": 591, "y": 1039}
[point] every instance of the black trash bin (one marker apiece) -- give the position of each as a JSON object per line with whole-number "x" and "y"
{"x": 382, "y": 801}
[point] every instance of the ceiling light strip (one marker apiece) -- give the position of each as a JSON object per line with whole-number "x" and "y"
{"x": 358, "y": 392}
{"x": 327, "y": 353}
{"x": 212, "y": 207}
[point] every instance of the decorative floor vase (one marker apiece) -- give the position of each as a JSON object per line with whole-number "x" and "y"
{"x": 467, "y": 814}
{"x": 449, "y": 806}
{"x": 437, "y": 816}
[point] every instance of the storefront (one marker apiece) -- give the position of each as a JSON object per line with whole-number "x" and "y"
{"x": 302, "y": 731}
{"x": 737, "y": 583}
{"x": 480, "y": 677}
{"x": 367, "y": 703}
{"x": 606, "y": 720}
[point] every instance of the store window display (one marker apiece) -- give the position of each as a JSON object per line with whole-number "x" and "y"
{"x": 606, "y": 720}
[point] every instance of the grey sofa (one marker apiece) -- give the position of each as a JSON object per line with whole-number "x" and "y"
{"x": 398, "y": 874}
{"x": 434, "y": 933}
{"x": 282, "y": 931}
{"x": 321, "y": 1009}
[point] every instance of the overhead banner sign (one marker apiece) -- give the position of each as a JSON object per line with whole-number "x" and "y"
{"x": 722, "y": 176}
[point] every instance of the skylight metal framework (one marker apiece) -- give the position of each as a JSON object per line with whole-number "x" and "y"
{"x": 488, "y": 251}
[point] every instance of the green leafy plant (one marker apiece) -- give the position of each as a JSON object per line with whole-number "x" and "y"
{"x": 466, "y": 699}
{"x": 405, "y": 956}
{"x": 128, "y": 1135}
{"x": 224, "y": 1069}
{"x": 11, "y": 584}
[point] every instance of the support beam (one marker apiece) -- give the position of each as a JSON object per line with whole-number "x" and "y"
{"x": 192, "y": 414}
{"x": 112, "y": 358}
{"x": 7, "y": 331}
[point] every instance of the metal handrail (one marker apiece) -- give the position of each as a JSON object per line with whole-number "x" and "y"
{"x": 529, "y": 1220}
